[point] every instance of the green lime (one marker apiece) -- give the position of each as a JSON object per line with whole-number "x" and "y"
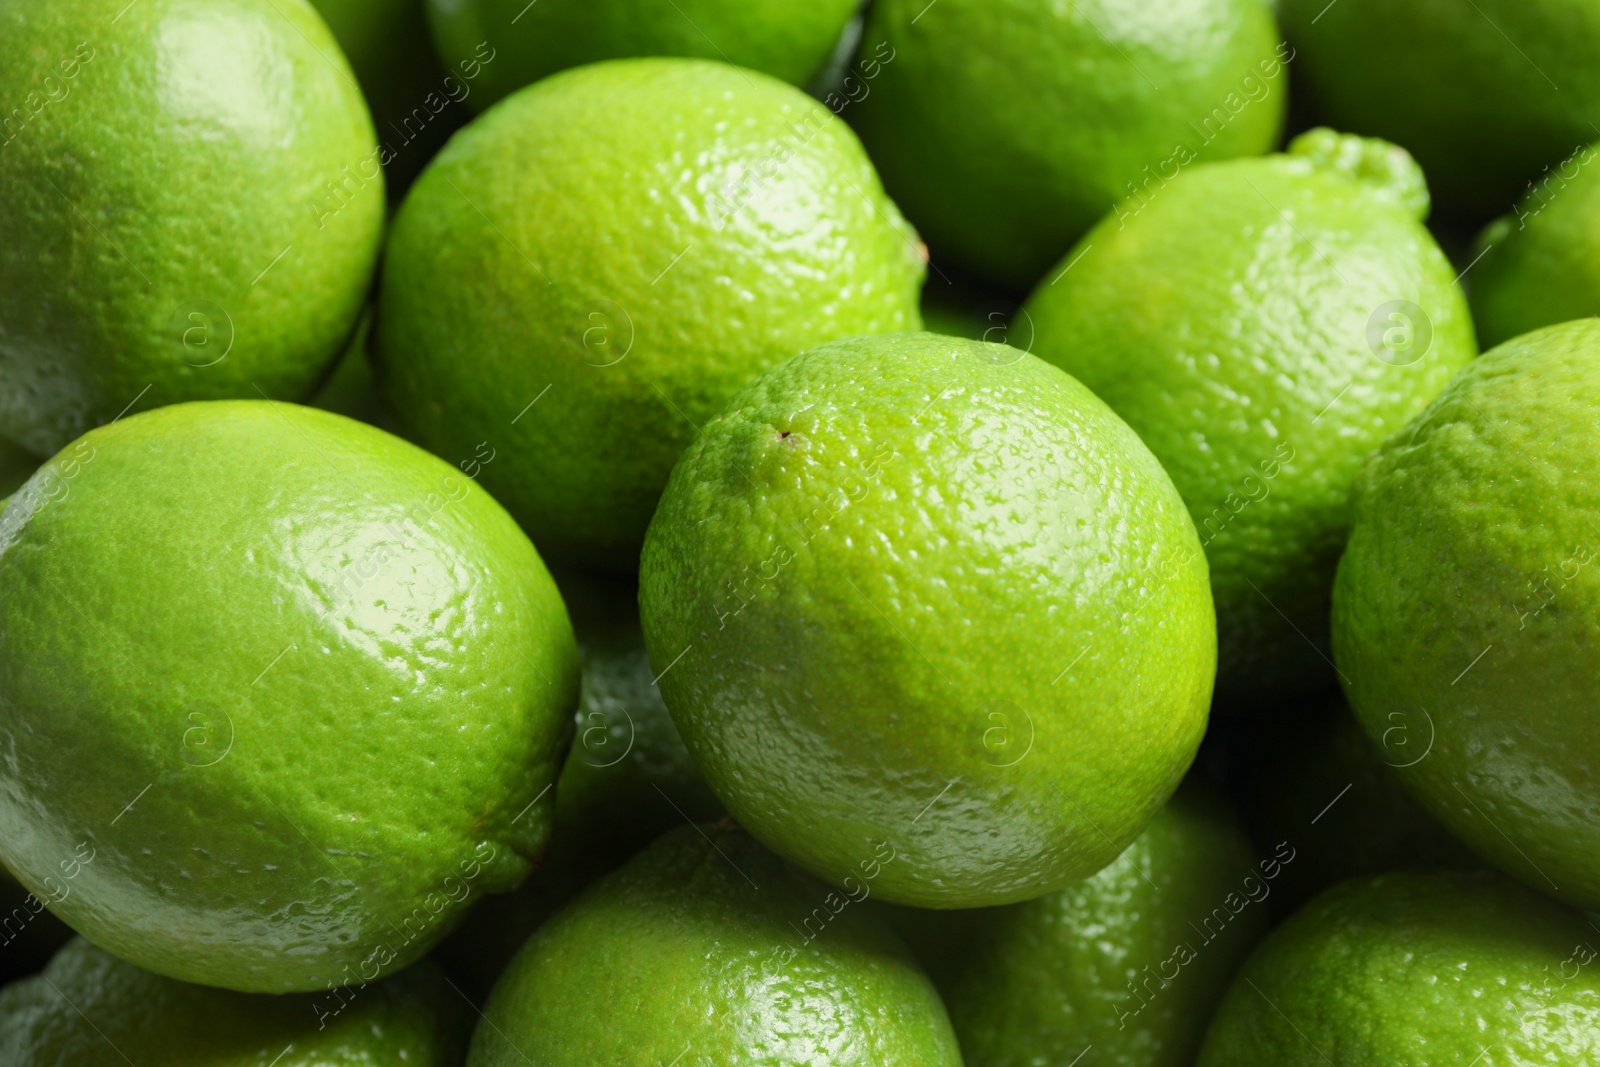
{"x": 1131, "y": 962}
{"x": 1006, "y": 128}
{"x": 193, "y": 205}
{"x": 587, "y": 273}
{"x": 1264, "y": 324}
{"x": 282, "y": 694}
{"x": 929, "y": 594}
{"x": 715, "y": 952}
{"x": 1540, "y": 265}
{"x": 415, "y": 104}
{"x": 517, "y": 42}
{"x": 1467, "y": 604}
{"x": 1484, "y": 94}
{"x": 627, "y": 780}
{"x": 1320, "y": 784}
{"x": 1425, "y": 969}
{"x": 90, "y": 1009}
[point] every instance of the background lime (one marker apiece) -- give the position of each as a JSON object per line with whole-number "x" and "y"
{"x": 1263, "y": 324}
{"x": 1468, "y": 592}
{"x": 281, "y": 693}
{"x": 589, "y": 271}
{"x": 192, "y": 209}
{"x": 931, "y": 593}
{"x": 1006, "y": 128}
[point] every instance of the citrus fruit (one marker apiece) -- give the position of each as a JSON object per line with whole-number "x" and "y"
{"x": 521, "y": 42}
{"x": 1540, "y": 265}
{"x": 626, "y": 780}
{"x": 728, "y": 957}
{"x": 1425, "y": 969}
{"x": 280, "y": 694}
{"x": 1006, "y": 128}
{"x": 1130, "y": 962}
{"x": 1485, "y": 94}
{"x": 1467, "y": 603}
{"x": 929, "y": 594}
{"x": 193, "y": 204}
{"x": 588, "y": 272}
{"x": 1263, "y": 324}
{"x": 415, "y": 104}
{"x": 89, "y": 1008}
{"x": 1338, "y": 799}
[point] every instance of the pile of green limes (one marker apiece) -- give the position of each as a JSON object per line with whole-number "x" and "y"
{"x": 748, "y": 533}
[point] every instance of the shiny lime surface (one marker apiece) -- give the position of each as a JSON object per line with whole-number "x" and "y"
{"x": 588, "y": 272}
{"x": 1263, "y": 325}
{"x": 1467, "y": 605}
{"x": 716, "y": 949}
{"x": 930, "y": 592}
{"x": 280, "y": 694}
{"x": 528, "y": 42}
{"x": 1421, "y": 969}
{"x": 1006, "y": 128}
{"x": 192, "y": 210}
{"x": 1129, "y": 963}
{"x": 89, "y": 1008}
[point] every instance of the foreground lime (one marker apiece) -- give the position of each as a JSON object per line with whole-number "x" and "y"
{"x": 1264, "y": 324}
{"x": 280, "y": 694}
{"x": 1006, "y": 128}
{"x": 928, "y": 594}
{"x": 1442, "y": 969}
{"x": 192, "y": 209}
{"x": 520, "y": 42}
{"x": 1485, "y": 93}
{"x": 1131, "y": 962}
{"x": 589, "y": 271}
{"x": 89, "y": 1008}
{"x": 727, "y": 957}
{"x": 1540, "y": 265}
{"x": 1467, "y": 604}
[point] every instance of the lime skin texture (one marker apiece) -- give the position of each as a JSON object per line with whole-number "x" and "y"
{"x": 1467, "y": 605}
{"x": 279, "y": 694}
{"x": 713, "y": 949}
{"x": 589, "y": 271}
{"x": 90, "y": 1008}
{"x": 787, "y": 40}
{"x": 1421, "y": 969}
{"x": 930, "y": 594}
{"x": 1486, "y": 95}
{"x": 627, "y": 780}
{"x": 1540, "y": 264}
{"x": 1006, "y": 128}
{"x": 1131, "y": 961}
{"x": 1263, "y": 324}
{"x": 193, "y": 207}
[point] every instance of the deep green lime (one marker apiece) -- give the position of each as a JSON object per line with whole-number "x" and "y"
{"x": 281, "y": 694}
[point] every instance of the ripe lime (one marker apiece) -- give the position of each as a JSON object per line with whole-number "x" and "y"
{"x": 1484, "y": 94}
{"x": 1426, "y": 969}
{"x": 1467, "y": 604}
{"x": 90, "y": 1008}
{"x": 1006, "y": 128}
{"x": 587, "y": 273}
{"x": 1130, "y": 962}
{"x": 280, "y": 694}
{"x": 520, "y": 42}
{"x": 192, "y": 209}
{"x": 1540, "y": 265}
{"x": 727, "y": 956}
{"x": 1263, "y": 324}
{"x": 930, "y": 594}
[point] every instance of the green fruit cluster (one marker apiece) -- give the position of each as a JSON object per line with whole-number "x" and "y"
{"x": 921, "y": 534}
